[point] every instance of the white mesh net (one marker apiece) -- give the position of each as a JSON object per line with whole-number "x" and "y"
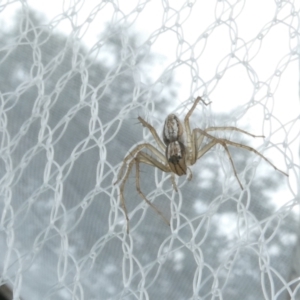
{"x": 74, "y": 78}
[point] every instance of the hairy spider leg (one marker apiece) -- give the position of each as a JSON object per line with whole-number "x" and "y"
{"x": 190, "y": 139}
{"x": 145, "y": 158}
{"x": 133, "y": 153}
{"x": 154, "y": 133}
{"x": 151, "y": 161}
{"x": 224, "y": 143}
{"x": 233, "y": 129}
{"x": 141, "y": 157}
{"x": 198, "y": 139}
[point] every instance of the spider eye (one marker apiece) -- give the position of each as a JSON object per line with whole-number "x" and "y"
{"x": 172, "y": 129}
{"x": 175, "y": 153}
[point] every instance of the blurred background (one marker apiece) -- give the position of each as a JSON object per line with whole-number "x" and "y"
{"x": 74, "y": 78}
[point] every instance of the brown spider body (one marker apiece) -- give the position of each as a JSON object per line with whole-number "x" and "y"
{"x": 174, "y": 155}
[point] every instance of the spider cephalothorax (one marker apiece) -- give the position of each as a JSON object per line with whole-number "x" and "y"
{"x": 175, "y": 154}
{"x": 173, "y": 129}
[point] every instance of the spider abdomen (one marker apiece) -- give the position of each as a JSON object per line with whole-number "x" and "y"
{"x": 175, "y": 154}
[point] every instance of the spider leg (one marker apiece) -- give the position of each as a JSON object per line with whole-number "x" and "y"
{"x": 197, "y": 142}
{"x": 153, "y": 132}
{"x": 133, "y": 153}
{"x": 199, "y": 139}
{"x": 122, "y": 200}
{"x": 224, "y": 143}
{"x": 233, "y": 129}
{"x": 238, "y": 145}
{"x": 253, "y": 150}
{"x": 215, "y": 141}
{"x": 140, "y": 157}
{"x": 154, "y": 162}
{"x": 231, "y": 161}
{"x": 191, "y": 145}
{"x": 189, "y": 113}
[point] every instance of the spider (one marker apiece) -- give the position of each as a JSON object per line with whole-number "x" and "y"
{"x": 176, "y": 155}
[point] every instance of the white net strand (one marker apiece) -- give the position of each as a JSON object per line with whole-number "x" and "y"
{"x": 75, "y": 77}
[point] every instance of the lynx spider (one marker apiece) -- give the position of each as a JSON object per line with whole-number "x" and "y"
{"x": 176, "y": 155}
